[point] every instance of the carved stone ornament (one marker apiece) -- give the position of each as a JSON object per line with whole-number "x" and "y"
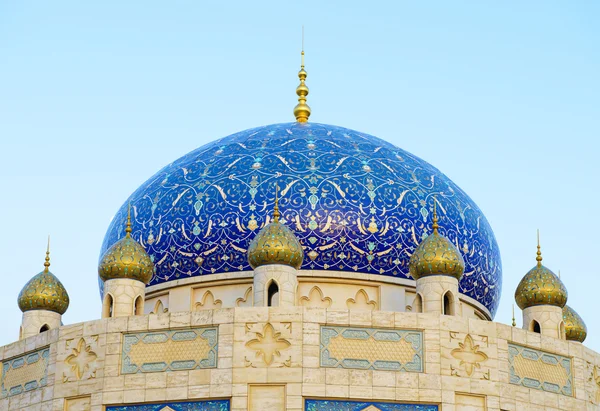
{"x": 361, "y": 302}
{"x": 246, "y": 300}
{"x": 81, "y": 363}
{"x": 469, "y": 355}
{"x": 208, "y": 302}
{"x": 268, "y": 345}
{"x": 315, "y": 298}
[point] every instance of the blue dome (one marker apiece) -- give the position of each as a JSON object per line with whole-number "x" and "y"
{"x": 356, "y": 203}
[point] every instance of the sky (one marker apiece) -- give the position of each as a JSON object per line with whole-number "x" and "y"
{"x": 95, "y": 97}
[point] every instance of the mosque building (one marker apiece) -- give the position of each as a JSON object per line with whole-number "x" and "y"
{"x": 300, "y": 266}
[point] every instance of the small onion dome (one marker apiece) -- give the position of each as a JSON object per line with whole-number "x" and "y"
{"x": 574, "y": 326}
{"x": 540, "y": 286}
{"x": 126, "y": 259}
{"x": 436, "y": 255}
{"x": 275, "y": 244}
{"x": 44, "y": 292}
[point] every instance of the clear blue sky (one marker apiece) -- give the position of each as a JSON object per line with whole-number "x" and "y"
{"x": 95, "y": 97}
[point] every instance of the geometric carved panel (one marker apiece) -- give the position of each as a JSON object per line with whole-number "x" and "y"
{"x": 160, "y": 351}
{"x": 540, "y": 370}
{"x": 211, "y": 405}
{"x": 372, "y": 349}
{"x": 329, "y": 405}
{"x": 25, "y": 373}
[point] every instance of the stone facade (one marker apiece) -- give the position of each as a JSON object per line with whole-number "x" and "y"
{"x": 548, "y": 318}
{"x": 122, "y": 297}
{"x": 273, "y": 359}
{"x": 35, "y": 320}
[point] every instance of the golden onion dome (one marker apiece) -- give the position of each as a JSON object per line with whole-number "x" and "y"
{"x": 126, "y": 259}
{"x": 436, "y": 255}
{"x": 540, "y": 286}
{"x": 44, "y": 292}
{"x": 574, "y": 326}
{"x": 275, "y": 243}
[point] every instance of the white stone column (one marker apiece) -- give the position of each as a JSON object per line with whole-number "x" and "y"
{"x": 432, "y": 290}
{"x": 285, "y": 278}
{"x": 549, "y": 318}
{"x": 121, "y": 296}
{"x": 33, "y": 321}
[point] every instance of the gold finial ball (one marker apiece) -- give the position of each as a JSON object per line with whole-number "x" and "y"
{"x": 44, "y": 292}
{"x": 126, "y": 259}
{"x": 575, "y": 328}
{"x": 302, "y": 113}
{"x": 540, "y": 286}
{"x": 275, "y": 244}
{"x": 436, "y": 255}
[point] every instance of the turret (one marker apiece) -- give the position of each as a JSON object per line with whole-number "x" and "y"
{"x": 275, "y": 255}
{"x": 125, "y": 268}
{"x": 542, "y": 295}
{"x": 43, "y": 301}
{"x": 437, "y": 266}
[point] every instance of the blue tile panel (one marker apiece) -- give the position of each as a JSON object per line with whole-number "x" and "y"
{"x": 355, "y": 202}
{"x": 540, "y": 370}
{"x": 25, "y": 373}
{"x": 177, "y": 350}
{"x": 372, "y": 349}
{"x": 214, "y": 405}
{"x": 334, "y": 405}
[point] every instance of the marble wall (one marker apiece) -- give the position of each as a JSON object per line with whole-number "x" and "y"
{"x": 293, "y": 357}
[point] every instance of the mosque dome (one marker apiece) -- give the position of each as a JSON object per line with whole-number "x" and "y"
{"x": 355, "y": 203}
{"x": 275, "y": 244}
{"x": 575, "y": 328}
{"x": 436, "y": 255}
{"x": 44, "y": 292}
{"x": 540, "y": 286}
{"x": 126, "y": 259}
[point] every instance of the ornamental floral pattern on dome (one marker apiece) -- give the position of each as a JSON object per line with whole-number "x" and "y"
{"x": 355, "y": 202}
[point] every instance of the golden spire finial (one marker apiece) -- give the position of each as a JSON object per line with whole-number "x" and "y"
{"x": 128, "y": 225}
{"x": 514, "y": 323}
{"x": 302, "y": 110}
{"x": 539, "y": 253}
{"x": 435, "y": 225}
{"x": 47, "y": 262}
{"x": 276, "y": 213}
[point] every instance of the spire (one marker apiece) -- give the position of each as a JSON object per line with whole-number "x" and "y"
{"x": 435, "y": 225}
{"x": 514, "y": 323}
{"x": 302, "y": 110}
{"x": 128, "y": 225}
{"x": 47, "y": 262}
{"x": 276, "y": 213}
{"x": 539, "y": 253}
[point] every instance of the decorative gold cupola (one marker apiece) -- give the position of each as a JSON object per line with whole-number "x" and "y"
{"x": 575, "y": 328}
{"x": 540, "y": 286}
{"x": 436, "y": 255}
{"x": 542, "y": 295}
{"x": 43, "y": 301}
{"x": 275, "y": 254}
{"x": 126, "y": 259}
{"x": 437, "y": 266}
{"x": 275, "y": 243}
{"x": 125, "y": 268}
{"x": 302, "y": 110}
